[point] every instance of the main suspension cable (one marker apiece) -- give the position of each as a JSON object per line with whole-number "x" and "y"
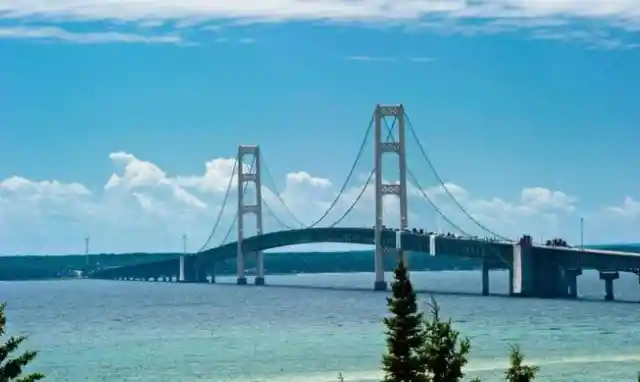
{"x": 364, "y": 188}
{"x": 346, "y": 182}
{"x": 416, "y": 184}
{"x": 244, "y": 189}
{"x": 273, "y": 214}
{"x": 221, "y": 210}
{"x": 226, "y": 235}
{"x": 352, "y": 206}
{"x": 446, "y": 189}
{"x": 278, "y": 196}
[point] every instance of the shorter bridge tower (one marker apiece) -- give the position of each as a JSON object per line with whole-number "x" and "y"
{"x": 245, "y": 207}
{"x": 382, "y": 146}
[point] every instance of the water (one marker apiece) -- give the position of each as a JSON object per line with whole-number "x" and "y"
{"x": 91, "y": 330}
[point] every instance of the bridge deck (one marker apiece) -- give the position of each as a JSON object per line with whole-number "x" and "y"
{"x": 495, "y": 251}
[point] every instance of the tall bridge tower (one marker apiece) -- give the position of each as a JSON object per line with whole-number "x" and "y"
{"x": 245, "y": 207}
{"x": 382, "y": 146}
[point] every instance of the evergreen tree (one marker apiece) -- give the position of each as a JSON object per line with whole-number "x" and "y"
{"x": 405, "y": 332}
{"x": 11, "y": 368}
{"x": 444, "y": 354}
{"x": 518, "y": 372}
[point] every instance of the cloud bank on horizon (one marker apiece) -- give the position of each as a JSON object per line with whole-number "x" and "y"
{"x": 142, "y": 208}
{"x": 609, "y": 24}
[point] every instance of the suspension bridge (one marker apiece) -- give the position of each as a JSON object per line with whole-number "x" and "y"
{"x": 535, "y": 270}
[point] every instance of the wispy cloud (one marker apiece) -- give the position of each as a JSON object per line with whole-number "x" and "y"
{"x": 415, "y": 60}
{"x": 593, "y": 35}
{"x": 191, "y": 12}
{"x": 449, "y": 16}
{"x": 372, "y": 59}
{"x": 224, "y": 40}
{"x": 592, "y": 39}
{"x": 56, "y": 33}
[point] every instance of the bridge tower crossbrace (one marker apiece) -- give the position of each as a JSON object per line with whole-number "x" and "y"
{"x": 244, "y": 208}
{"x": 382, "y": 146}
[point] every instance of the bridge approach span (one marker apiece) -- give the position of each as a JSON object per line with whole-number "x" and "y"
{"x": 410, "y": 241}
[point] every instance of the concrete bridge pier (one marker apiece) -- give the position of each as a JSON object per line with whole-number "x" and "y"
{"x": 571, "y": 281}
{"x": 379, "y": 284}
{"x": 190, "y": 270}
{"x": 181, "y": 269}
{"x": 536, "y": 271}
{"x": 523, "y": 275}
{"x": 212, "y": 274}
{"x": 241, "y": 279}
{"x": 259, "y": 280}
{"x": 608, "y": 278}
{"x": 511, "y": 281}
{"x": 485, "y": 277}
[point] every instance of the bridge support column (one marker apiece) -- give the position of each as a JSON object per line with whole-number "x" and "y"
{"x": 608, "y": 278}
{"x": 511, "y": 281}
{"x": 537, "y": 271}
{"x": 523, "y": 273}
{"x": 186, "y": 270}
{"x": 485, "y": 277}
{"x": 397, "y": 146}
{"x": 254, "y": 175}
{"x": 200, "y": 272}
{"x": 259, "y": 280}
{"x": 190, "y": 270}
{"x": 181, "y": 270}
{"x": 571, "y": 281}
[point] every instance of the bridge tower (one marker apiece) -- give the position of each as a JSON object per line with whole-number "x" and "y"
{"x": 383, "y": 146}
{"x": 245, "y": 207}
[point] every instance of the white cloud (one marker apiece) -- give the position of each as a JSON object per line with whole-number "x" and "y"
{"x": 201, "y": 10}
{"x": 551, "y": 19}
{"x": 102, "y": 37}
{"x": 629, "y": 209}
{"x": 143, "y": 208}
{"x": 537, "y": 211}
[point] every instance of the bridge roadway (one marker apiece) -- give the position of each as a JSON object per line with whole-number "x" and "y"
{"x": 535, "y": 270}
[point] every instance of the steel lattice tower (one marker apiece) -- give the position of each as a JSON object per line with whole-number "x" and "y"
{"x": 244, "y": 208}
{"x": 382, "y": 146}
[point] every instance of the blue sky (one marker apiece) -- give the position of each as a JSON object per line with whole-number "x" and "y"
{"x": 529, "y": 108}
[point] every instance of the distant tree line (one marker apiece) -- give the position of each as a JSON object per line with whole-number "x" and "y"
{"x": 50, "y": 266}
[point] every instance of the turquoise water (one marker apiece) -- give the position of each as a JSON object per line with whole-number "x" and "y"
{"x": 89, "y": 330}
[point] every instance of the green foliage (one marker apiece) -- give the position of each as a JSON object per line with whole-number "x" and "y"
{"x": 444, "y": 354}
{"x": 518, "y": 372}
{"x": 405, "y": 332}
{"x": 11, "y": 367}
